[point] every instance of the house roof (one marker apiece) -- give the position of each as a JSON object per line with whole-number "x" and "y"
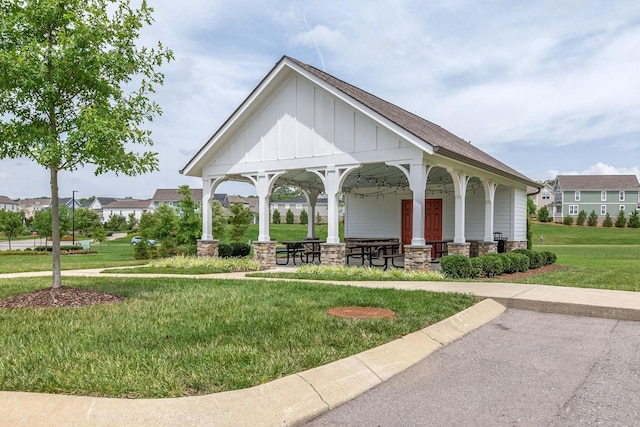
{"x": 7, "y": 201}
{"x": 128, "y": 204}
{"x": 172, "y": 195}
{"x": 442, "y": 141}
{"x": 598, "y": 182}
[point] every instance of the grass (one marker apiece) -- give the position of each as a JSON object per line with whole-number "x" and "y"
{"x": 109, "y": 254}
{"x": 178, "y": 337}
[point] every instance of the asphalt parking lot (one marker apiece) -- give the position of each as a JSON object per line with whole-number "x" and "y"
{"x": 522, "y": 369}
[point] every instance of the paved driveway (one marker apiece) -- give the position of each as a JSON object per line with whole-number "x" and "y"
{"x": 522, "y": 369}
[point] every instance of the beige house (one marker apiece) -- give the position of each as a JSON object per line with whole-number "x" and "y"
{"x": 400, "y": 176}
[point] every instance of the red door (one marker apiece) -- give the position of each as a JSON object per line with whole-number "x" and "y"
{"x": 432, "y": 221}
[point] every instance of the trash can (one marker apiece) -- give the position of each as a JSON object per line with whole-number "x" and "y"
{"x": 502, "y": 242}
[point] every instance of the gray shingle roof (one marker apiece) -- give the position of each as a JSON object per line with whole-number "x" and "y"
{"x": 598, "y": 182}
{"x": 443, "y": 141}
{"x": 128, "y": 204}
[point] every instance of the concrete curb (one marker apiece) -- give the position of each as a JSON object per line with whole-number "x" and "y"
{"x": 292, "y": 400}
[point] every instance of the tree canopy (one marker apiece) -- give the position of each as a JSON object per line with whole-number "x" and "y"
{"x": 75, "y": 89}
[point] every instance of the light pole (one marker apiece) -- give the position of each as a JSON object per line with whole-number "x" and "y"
{"x": 73, "y": 218}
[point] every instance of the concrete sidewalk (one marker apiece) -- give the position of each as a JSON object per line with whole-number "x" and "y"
{"x": 298, "y": 398}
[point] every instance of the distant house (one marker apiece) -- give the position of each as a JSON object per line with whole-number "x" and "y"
{"x": 8, "y": 205}
{"x": 69, "y": 202}
{"x": 299, "y": 204}
{"x": 545, "y": 196}
{"x": 126, "y": 207}
{"x": 250, "y": 203}
{"x": 98, "y": 204}
{"x": 33, "y": 205}
{"x": 603, "y": 194}
{"x": 171, "y": 197}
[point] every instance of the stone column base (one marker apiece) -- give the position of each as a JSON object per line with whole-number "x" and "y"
{"x": 487, "y": 248}
{"x": 333, "y": 254}
{"x": 516, "y": 244}
{"x": 207, "y": 248}
{"x": 417, "y": 257}
{"x": 459, "y": 249}
{"x": 265, "y": 254}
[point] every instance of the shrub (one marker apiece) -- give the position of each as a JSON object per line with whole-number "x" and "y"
{"x": 289, "y": 217}
{"x": 621, "y": 220}
{"x": 607, "y": 222}
{"x": 543, "y": 214}
{"x": 304, "y": 217}
{"x": 592, "y": 221}
{"x": 477, "y": 266}
{"x": 507, "y": 264}
{"x": 535, "y": 259}
{"x": 141, "y": 251}
{"x": 239, "y": 250}
{"x": 456, "y": 266}
{"x": 519, "y": 262}
{"x": 582, "y": 217}
{"x": 568, "y": 220}
{"x": 634, "y": 219}
{"x": 493, "y": 265}
{"x": 275, "y": 217}
{"x": 550, "y": 257}
{"x": 224, "y": 250}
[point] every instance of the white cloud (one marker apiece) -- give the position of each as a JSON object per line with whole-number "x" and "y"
{"x": 599, "y": 169}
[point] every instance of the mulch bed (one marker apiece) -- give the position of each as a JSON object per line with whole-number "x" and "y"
{"x": 63, "y": 296}
{"x": 530, "y": 273}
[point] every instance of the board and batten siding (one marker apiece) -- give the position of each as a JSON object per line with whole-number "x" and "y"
{"x": 369, "y": 218}
{"x": 304, "y": 121}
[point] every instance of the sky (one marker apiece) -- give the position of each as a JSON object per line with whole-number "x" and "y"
{"x": 546, "y": 87}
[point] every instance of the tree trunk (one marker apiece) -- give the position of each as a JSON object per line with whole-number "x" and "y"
{"x": 55, "y": 229}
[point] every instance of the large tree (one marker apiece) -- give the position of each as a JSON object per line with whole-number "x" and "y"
{"x": 74, "y": 89}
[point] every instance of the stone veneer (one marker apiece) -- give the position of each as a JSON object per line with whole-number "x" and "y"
{"x": 459, "y": 249}
{"x": 207, "y": 248}
{"x": 333, "y": 253}
{"x": 516, "y": 244}
{"x": 417, "y": 257}
{"x": 265, "y": 254}
{"x": 485, "y": 248}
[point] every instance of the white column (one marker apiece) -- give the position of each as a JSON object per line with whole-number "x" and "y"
{"x": 460, "y": 181}
{"x": 418, "y": 185}
{"x": 489, "y": 203}
{"x": 208, "y": 188}
{"x": 332, "y": 178}
{"x": 312, "y": 199}
{"x": 263, "y": 182}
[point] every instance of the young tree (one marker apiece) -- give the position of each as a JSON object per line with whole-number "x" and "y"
{"x": 607, "y": 222}
{"x": 543, "y": 214}
{"x": 218, "y": 220}
{"x": 116, "y": 222}
{"x": 289, "y": 217}
{"x": 42, "y": 221}
{"x": 132, "y": 221}
{"x": 582, "y": 217}
{"x": 87, "y": 221}
{"x": 275, "y": 217}
{"x": 304, "y": 217}
{"x": 75, "y": 89}
{"x": 592, "y": 221}
{"x": 634, "y": 219}
{"x": 239, "y": 221}
{"x": 189, "y": 222}
{"x": 531, "y": 206}
{"x": 11, "y": 224}
{"x": 621, "y": 220}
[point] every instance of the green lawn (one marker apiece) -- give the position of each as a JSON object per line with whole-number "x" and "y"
{"x": 178, "y": 337}
{"x": 108, "y": 254}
